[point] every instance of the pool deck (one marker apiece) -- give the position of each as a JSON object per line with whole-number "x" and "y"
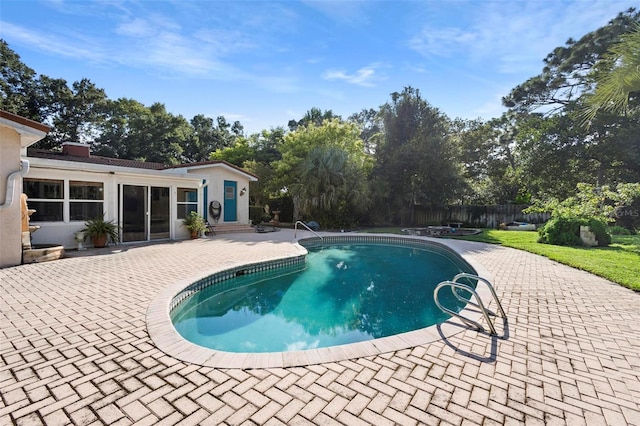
{"x": 74, "y": 349}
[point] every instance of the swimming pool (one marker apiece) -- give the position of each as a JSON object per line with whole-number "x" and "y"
{"x": 346, "y": 291}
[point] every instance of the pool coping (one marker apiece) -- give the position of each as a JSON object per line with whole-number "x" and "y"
{"x": 169, "y": 341}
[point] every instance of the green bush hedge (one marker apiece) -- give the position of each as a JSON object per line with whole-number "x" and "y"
{"x": 600, "y": 228}
{"x": 255, "y": 214}
{"x": 620, "y": 230}
{"x": 565, "y": 231}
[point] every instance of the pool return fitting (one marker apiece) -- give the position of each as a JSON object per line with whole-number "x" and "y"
{"x": 455, "y": 285}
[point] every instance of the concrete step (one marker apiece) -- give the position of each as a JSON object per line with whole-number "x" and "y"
{"x": 232, "y": 228}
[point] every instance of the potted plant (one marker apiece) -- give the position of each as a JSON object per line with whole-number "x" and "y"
{"x": 99, "y": 229}
{"x": 194, "y": 223}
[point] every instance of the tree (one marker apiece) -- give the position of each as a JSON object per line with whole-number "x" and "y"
{"x": 19, "y": 86}
{"x": 324, "y": 168}
{"x": 332, "y": 188}
{"x": 416, "y": 162}
{"x": 73, "y": 112}
{"x": 371, "y": 131}
{"x": 261, "y": 147}
{"x": 556, "y": 150}
{"x": 491, "y": 161}
{"x": 134, "y": 131}
{"x": 237, "y": 154}
{"x": 617, "y": 76}
{"x": 208, "y": 138}
{"x": 203, "y": 142}
{"x": 76, "y": 113}
{"x": 267, "y": 144}
{"x": 313, "y": 116}
{"x": 591, "y": 206}
{"x": 566, "y": 74}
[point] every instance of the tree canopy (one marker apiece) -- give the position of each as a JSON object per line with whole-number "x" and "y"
{"x": 325, "y": 168}
{"x": 617, "y": 77}
{"x": 415, "y": 162}
{"x": 574, "y": 125}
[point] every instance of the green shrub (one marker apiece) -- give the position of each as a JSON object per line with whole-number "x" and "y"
{"x": 564, "y": 230}
{"x": 599, "y": 228}
{"x": 561, "y": 231}
{"x": 255, "y": 214}
{"x": 619, "y": 230}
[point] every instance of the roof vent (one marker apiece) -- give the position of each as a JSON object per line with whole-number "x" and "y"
{"x": 75, "y": 149}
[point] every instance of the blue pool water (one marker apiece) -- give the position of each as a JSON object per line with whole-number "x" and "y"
{"x": 342, "y": 294}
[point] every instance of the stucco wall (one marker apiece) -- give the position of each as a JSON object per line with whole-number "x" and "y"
{"x": 10, "y": 230}
{"x": 62, "y": 232}
{"x": 215, "y": 189}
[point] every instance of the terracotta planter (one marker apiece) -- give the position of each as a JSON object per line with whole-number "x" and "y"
{"x": 99, "y": 241}
{"x": 194, "y": 235}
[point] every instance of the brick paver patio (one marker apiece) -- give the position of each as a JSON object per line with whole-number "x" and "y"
{"x": 75, "y": 350}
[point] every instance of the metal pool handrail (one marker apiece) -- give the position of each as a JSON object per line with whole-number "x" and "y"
{"x": 295, "y": 230}
{"x": 478, "y": 279}
{"x": 454, "y": 285}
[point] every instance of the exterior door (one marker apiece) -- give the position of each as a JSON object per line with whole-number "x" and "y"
{"x": 134, "y": 213}
{"x": 160, "y": 211}
{"x": 230, "y": 202}
{"x": 145, "y": 213}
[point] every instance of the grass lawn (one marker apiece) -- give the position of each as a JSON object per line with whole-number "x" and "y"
{"x": 620, "y": 262}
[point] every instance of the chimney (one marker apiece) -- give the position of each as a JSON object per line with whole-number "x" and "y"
{"x": 75, "y": 149}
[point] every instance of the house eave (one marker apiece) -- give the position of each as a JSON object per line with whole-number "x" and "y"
{"x": 109, "y": 169}
{"x": 216, "y": 164}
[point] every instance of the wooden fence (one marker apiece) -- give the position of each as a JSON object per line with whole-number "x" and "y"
{"x": 478, "y": 216}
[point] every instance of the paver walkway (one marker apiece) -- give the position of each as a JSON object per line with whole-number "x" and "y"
{"x": 75, "y": 350}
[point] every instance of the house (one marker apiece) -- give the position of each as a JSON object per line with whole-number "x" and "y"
{"x": 16, "y": 134}
{"x": 148, "y": 200}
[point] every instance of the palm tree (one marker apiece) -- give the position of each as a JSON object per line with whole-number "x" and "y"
{"x": 329, "y": 181}
{"x": 617, "y": 76}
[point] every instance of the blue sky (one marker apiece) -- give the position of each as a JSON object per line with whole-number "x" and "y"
{"x": 265, "y": 63}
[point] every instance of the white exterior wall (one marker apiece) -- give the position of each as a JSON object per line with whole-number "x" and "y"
{"x": 16, "y": 134}
{"x": 10, "y": 225}
{"x": 62, "y": 233}
{"x": 217, "y": 175}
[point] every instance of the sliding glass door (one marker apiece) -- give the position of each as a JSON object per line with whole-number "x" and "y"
{"x": 145, "y": 213}
{"x": 160, "y": 213}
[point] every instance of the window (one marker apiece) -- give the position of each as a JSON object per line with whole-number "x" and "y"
{"x": 46, "y": 197}
{"x": 229, "y": 192}
{"x": 187, "y": 201}
{"x": 86, "y": 200}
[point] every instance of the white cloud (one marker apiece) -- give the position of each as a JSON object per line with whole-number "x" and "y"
{"x": 440, "y": 42}
{"x": 54, "y": 44}
{"x": 136, "y": 28}
{"x": 365, "y": 76}
{"x": 514, "y": 35}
